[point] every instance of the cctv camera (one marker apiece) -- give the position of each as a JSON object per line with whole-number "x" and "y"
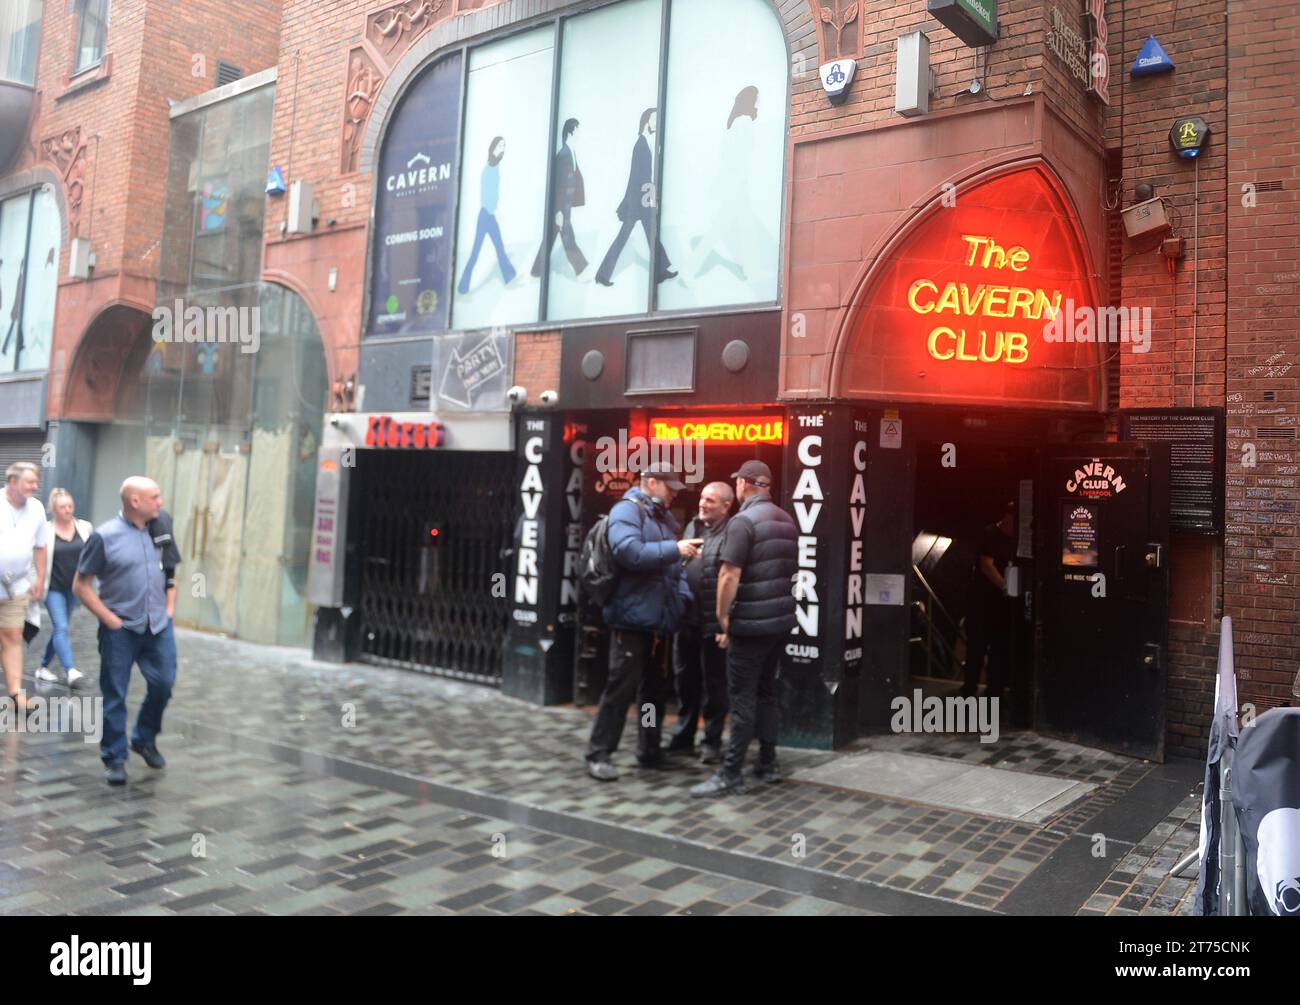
{"x": 517, "y": 395}
{"x": 550, "y": 398}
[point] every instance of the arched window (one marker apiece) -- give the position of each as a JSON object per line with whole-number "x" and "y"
{"x": 610, "y": 162}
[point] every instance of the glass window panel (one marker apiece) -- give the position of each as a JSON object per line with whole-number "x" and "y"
{"x": 42, "y": 282}
{"x": 13, "y": 258}
{"x": 90, "y": 41}
{"x": 412, "y": 236}
{"x": 20, "y": 32}
{"x": 609, "y": 85}
{"x": 724, "y": 153}
{"x": 502, "y": 184}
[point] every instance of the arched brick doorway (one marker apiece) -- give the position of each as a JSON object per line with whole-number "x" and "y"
{"x": 230, "y": 431}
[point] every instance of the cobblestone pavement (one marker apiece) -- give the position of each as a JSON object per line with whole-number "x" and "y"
{"x": 318, "y": 788}
{"x": 1141, "y": 883}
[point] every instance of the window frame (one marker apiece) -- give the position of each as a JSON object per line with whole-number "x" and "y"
{"x": 84, "y": 9}
{"x": 652, "y": 312}
{"x": 9, "y": 76}
{"x": 30, "y": 194}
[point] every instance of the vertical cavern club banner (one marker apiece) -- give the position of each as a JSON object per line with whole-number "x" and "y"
{"x": 410, "y": 282}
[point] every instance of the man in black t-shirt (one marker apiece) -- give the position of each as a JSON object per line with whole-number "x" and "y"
{"x": 989, "y": 616}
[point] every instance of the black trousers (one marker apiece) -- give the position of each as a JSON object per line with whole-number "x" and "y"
{"x": 752, "y": 666}
{"x": 576, "y": 258}
{"x": 988, "y": 633}
{"x": 638, "y": 667}
{"x": 606, "y": 271}
{"x": 700, "y": 675}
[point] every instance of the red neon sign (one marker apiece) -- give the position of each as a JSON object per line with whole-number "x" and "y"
{"x": 958, "y": 310}
{"x": 385, "y": 432}
{"x": 718, "y": 431}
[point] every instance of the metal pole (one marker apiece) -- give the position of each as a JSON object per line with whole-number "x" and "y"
{"x": 1187, "y": 860}
{"x": 1238, "y": 877}
{"x": 1228, "y": 840}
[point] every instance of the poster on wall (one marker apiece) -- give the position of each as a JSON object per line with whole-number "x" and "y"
{"x": 1079, "y": 543}
{"x": 1196, "y": 461}
{"x": 410, "y": 278}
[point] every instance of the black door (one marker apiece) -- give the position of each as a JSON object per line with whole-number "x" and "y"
{"x": 1101, "y": 529}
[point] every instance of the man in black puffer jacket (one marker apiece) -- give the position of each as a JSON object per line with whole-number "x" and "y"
{"x": 641, "y": 616}
{"x": 755, "y": 611}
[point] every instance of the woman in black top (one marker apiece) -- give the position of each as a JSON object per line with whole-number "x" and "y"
{"x": 65, "y": 536}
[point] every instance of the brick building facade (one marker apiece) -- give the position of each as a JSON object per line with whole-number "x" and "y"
{"x": 98, "y": 137}
{"x": 864, "y": 191}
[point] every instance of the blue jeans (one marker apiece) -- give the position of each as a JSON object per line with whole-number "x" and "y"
{"x": 156, "y": 655}
{"x": 60, "y": 605}
{"x": 487, "y": 227}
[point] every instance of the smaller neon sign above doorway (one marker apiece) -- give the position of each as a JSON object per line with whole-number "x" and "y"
{"x": 719, "y": 430}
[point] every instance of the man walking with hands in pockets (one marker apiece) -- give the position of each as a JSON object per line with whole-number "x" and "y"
{"x": 134, "y": 626}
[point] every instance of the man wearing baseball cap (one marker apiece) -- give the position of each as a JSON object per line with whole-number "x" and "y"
{"x": 755, "y": 611}
{"x": 642, "y": 615}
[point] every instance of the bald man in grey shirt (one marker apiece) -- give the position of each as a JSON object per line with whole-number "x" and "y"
{"x": 134, "y": 626}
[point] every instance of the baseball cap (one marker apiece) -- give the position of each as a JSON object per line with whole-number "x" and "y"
{"x": 666, "y": 474}
{"x": 754, "y": 472}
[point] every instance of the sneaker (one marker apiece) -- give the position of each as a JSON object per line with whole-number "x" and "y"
{"x": 602, "y": 771}
{"x": 115, "y": 774}
{"x": 77, "y": 680}
{"x": 46, "y": 676}
{"x": 150, "y": 754}
{"x": 710, "y": 753}
{"x": 718, "y": 785}
{"x": 769, "y": 773}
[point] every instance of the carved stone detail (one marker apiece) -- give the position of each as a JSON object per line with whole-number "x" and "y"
{"x": 68, "y": 153}
{"x": 364, "y": 80}
{"x": 839, "y": 27}
{"x": 393, "y": 29}
{"x": 388, "y": 33}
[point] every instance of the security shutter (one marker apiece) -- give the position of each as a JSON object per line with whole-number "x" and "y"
{"x": 20, "y": 447}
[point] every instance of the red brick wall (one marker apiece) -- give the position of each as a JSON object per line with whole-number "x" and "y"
{"x": 150, "y": 49}
{"x": 1188, "y": 308}
{"x": 1262, "y": 573}
{"x": 537, "y": 363}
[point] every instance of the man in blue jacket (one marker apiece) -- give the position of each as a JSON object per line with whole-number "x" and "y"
{"x": 641, "y": 616}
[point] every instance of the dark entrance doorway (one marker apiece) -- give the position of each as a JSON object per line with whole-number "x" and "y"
{"x": 962, "y": 489}
{"x": 1103, "y": 538}
{"x": 602, "y": 489}
{"x": 435, "y": 532}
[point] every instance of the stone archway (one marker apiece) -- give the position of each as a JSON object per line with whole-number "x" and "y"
{"x": 108, "y": 355}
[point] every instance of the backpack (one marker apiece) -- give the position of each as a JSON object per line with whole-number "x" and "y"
{"x": 597, "y": 572}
